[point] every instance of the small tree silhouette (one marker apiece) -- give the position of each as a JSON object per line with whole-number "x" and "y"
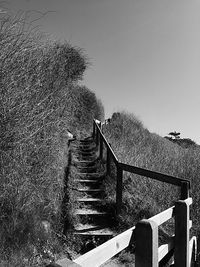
{"x": 175, "y": 135}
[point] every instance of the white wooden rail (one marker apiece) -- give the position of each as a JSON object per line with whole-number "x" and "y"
{"x": 107, "y": 250}
{"x": 145, "y": 236}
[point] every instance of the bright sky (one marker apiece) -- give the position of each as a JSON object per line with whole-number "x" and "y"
{"x": 145, "y": 55}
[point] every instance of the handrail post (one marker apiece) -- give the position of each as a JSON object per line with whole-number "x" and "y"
{"x": 181, "y": 253}
{"x": 93, "y": 132}
{"x": 119, "y": 188}
{"x": 98, "y": 133}
{"x": 101, "y": 148}
{"x": 185, "y": 186}
{"x": 146, "y": 249}
{"x": 97, "y": 136}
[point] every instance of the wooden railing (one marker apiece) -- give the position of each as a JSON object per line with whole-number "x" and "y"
{"x": 180, "y": 249}
{"x": 145, "y": 236}
{"x": 102, "y": 144}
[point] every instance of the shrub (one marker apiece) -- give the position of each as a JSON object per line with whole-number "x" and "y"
{"x": 39, "y": 100}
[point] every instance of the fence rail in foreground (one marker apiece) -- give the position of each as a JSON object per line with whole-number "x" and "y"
{"x": 180, "y": 248}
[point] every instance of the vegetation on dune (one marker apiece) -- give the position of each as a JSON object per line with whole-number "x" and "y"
{"x": 183, "y": 142}
{"x": 143, "y": 197}
{"x": 39, "y": 100}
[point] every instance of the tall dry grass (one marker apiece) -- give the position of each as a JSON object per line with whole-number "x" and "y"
{"x": 39, "y": 100}
{"x": 142, "y": 197}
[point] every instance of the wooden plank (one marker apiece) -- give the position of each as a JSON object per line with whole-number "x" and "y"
{"x": 181, "y": 253}
{"x": 107, "y": 250}
{"x": 163, "y": 216}
{"x": 154, "y": 175}
{"x": 164, "y": 249}
{"x": 101, "y": 148}
{"x": 119, "y": 189}
{"x": 146, "y": 249}
{"x": 107, "y": 161}
{"x": 184, "y": 190}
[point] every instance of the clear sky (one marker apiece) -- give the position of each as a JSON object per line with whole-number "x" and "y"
{"x": 145, "y": 55}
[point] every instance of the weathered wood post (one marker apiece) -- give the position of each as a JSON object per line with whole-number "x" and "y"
{"x": 93, "y": 131}
{"x": 108, "y": 161}
{"x": 185, "y": 187}
{"x": 119, "y": 188}
{"x": 182, "y": 226}
{"x": 101, "y": 148}
{"x": 146, "y": 248}
{"x": 98, "y": 133}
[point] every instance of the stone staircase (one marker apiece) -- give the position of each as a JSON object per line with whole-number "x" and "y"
{"x": 93, "y": 218}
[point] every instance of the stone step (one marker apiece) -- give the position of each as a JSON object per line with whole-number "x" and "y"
{"x": 85, "y": 153}
{"x": 92, "y": 229}
{"x": 88, "y": 169}
{"x": 84, "y": 163}
{"x": 89, "y": 212}
{"x": 87, "y": 139}
{"x": 88, "y": 227}
{"x": 95, "y": 175}
{"x": 101, "y": 232}
{"x": 89, "y": 190}
{"x": 90, "y": 200}
{"x": 86, "y": 142}
{"x": 85, "y": 148}
{"x": 89, "y": 181}
{"x": 85, "y": 158}
{"x": 83, "y": 144}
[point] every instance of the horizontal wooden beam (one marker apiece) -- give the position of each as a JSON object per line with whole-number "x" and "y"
{"x": 164, "y": 249}
{"x": 154, "y": 175}
{"x": 107, "y": 250}
{"x": 163, "y": 216}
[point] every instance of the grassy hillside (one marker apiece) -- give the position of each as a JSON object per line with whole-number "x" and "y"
{"x": 40, "y": 99}
{"x": 142, "y": 197}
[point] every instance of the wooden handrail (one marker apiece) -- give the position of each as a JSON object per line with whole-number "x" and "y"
{"x": 153, "y": 175}
{"x": 163, "y": 216}
{"x": 145, "y": 236}
{"x": 107, "y": 250}
{"x": 120, "y": 166}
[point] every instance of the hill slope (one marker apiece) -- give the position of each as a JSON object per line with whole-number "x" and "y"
{"x": 142, "y": 197}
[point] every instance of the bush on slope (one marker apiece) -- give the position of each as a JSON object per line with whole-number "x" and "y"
{"x": 39, "y": 100}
